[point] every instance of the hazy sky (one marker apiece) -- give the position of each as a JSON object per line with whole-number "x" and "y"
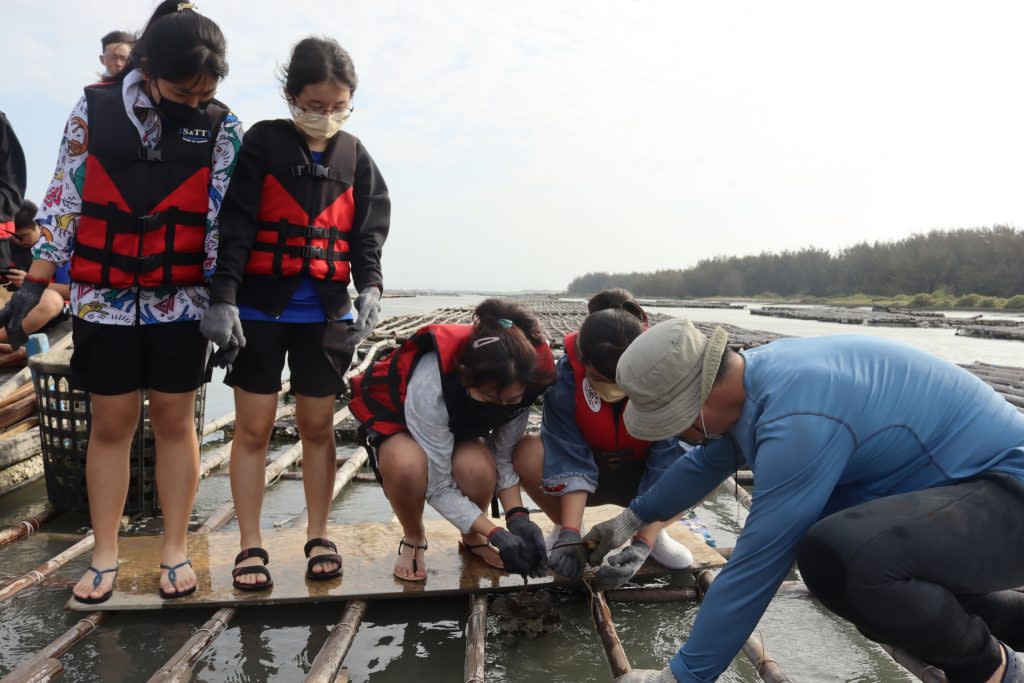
{"x": 526, "y": 143}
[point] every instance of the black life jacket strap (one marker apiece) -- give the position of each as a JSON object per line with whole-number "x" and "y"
{"x": 136, "y": 265}
{"x": 302, "y": 251}
{"x": 306, "y": 231}
{"x": 123, "y": 222}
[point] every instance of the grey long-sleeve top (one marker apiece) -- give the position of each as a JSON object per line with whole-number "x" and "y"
{"x": 427, "y": 420}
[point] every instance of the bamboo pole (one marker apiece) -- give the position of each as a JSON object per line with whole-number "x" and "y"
{"x": 925, "y": 672}
{"x": 24, "y": 376}
{"x": 27, "y": 670}
{"x": 609, "y": 638}
{"x": 327, "y": 663}
{"x": 754, "y": 648}
{"x": 343, "y": 476}
{"x": 26, "y": 527}
{"x": 226, "y": 419}
{"x": 476, "y": 632}
{"x": 178, "y": 668}
{"x": 48, "y": 670}
{"x": 39, "y": 573}
{"x": 738, "y": 491}
{"x": 214, "y": 460}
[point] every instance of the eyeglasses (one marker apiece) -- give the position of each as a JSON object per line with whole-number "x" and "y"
{"x": 346, "y": 110}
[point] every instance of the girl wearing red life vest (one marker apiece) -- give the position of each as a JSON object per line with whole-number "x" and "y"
{"x": 133, "y": 205}
{"x": 441, "y": 417}
{"x": 584, "y": 455}
{"x": 308, "y": 211}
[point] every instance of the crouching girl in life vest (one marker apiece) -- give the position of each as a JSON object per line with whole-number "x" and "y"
{"x": 133, "y": 204}
{"x": 308, "y": 211}
{"x": 442, "y": 416}
{"x": 584, "y": 456}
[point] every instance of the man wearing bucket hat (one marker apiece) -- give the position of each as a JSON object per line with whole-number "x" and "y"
{"x": 894, "y": 479}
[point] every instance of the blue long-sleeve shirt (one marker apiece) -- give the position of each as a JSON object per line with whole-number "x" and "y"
{"x": 569, "y": 463}
{"x": 828, "y": 423}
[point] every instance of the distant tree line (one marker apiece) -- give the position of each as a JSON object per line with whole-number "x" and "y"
{"x": 988, "y": 261}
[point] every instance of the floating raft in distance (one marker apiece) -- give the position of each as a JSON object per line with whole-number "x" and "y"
{"x": 368, "y": 550}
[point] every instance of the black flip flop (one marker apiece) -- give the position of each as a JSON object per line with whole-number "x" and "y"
{"x": 96, "y": 581}
{"x": 255, "y": 569}
{"x": 333, "y": 557}
{"x": 415, "y": 564}
{"x": 172, "y": 576}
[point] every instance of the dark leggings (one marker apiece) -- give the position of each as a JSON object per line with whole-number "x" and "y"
{"x": 930, "y": 572}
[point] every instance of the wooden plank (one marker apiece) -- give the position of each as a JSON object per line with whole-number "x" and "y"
{"x": 369, "y": 551}
{"x": 327, "y": 663}
{"x": 476, "y": 638}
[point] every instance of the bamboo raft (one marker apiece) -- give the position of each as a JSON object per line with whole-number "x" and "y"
{"x": 452, "y": 572}
{"x": 898, "y": 317}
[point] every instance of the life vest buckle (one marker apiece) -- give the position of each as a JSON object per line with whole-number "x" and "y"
{"x": 149, "y": 222}
{"x": 316, "y": 232}
{"x": 146, "y": 154}
{"x": 309, "y": 252}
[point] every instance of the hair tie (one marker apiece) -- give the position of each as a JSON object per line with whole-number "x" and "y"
{"x": 506, "y": 323}
{"x": 187, "y": 5}
{"x": 484, "y": 341}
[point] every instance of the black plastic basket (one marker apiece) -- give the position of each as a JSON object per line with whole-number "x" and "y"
{"x": 65, "y": 416}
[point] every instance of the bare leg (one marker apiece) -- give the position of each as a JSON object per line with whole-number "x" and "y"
{"x": 314, "y": 416}
{"x": 528, "y": 460}
{"x": 403, "y": 467}
{"x": 475, "y": 473}
{"x": 253, "y": 424}
{"x": 49, "y": 306}
{"x": 177, "y": 476}
{"x": 114, "y": 419}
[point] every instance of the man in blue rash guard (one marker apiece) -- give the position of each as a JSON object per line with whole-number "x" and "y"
{"x": 893, "y": 478}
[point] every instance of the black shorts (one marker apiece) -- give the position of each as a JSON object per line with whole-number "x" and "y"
{"x": 257, "y": 369}
{"x": 114, "y": 359}
{"x": 618, "y": 479}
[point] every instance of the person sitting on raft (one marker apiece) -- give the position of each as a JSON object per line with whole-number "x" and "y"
{"x": 307, "y": 212}
{"x": 894, "y": 480}
{"x": 52, "y": 303}
{"x": 584, "y": 456}
{"x": 440, "y": 419}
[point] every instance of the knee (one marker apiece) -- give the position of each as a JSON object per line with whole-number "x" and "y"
{"x": 173, "y": 427}
{"x": 253, "y": 436}
{"x": 473, "y": 468}
{"x": 316, "y": 431}
{"x": 822, "y": 564}
{"x": 403, "y": 470}
{"x": 50, "y": 305}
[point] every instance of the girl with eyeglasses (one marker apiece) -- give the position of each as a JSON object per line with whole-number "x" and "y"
{"x": 308, "y": 212}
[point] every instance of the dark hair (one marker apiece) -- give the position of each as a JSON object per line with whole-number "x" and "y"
{"x": 501, "y": 354}
{"x": 315, "y": 60}
{"x": 26, "y": 214}
{"x": 725, "y": 365}
{"x": 615, "y": 320}
{"x": 177, "y": 44}
{"x": 116, "y": 38}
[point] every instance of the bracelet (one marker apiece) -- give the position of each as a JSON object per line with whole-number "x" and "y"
{"x": 40, "y": 280}
{"x": 516, "y": 511}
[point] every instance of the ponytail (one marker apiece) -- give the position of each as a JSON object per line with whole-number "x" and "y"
{"x": 502, "y": 349}
{"x": 615, "y": 320}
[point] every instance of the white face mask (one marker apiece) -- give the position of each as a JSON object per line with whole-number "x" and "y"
{"x": 317, "y": 126}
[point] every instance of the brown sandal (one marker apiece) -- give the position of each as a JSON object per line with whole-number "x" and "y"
{"x": 332, "y": 557}
{"x": 470, "y": 547}
{"x": 415, "y": 563}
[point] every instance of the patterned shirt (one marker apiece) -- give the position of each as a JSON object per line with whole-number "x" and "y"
{"x": 62, "y": 205}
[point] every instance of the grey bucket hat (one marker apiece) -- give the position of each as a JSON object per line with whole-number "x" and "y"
{"x": 668, "y": 372}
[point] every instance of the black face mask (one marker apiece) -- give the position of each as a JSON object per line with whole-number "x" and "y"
{"x": 477, "y": 418}
{"x": 177, "y": 113}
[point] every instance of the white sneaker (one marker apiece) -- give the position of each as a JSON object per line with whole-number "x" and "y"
{"x": 670, "y": 553}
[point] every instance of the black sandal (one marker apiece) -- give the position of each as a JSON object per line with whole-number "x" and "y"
{"x": 172, "y": 576}
{"x": 255, "y": 569}
{"x": 96, "y": 581}
{"x": 320, "y": 559}
{"x": 415, "y": 564}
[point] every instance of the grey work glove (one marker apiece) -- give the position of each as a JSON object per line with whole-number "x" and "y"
{"x": 621, "y": 566}
{"x": 568, "y": 556}
{"x": 514, "y": 553}
{"x": 612, "y": 534}
{"x": 517, "y": 520}
{"x": 367, "y": 306}
{"x": 648, "y": 676}
{"x": 12, "y": 316}
{"x": 222, "y": 326}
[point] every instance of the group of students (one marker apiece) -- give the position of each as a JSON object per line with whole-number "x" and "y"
{"x": 894, "y": 480}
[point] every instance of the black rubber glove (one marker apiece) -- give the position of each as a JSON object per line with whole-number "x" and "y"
{"x": 621, "y": 566}
{"x": 12, "y": 316}
{"x": 514, "y": 553}
{"x": 518, "y": 522}
{"x": 568, "y": 556}
{"x": 224, "y": 357}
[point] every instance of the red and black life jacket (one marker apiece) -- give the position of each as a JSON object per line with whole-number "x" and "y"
{"x": 600, "y": 422}
{"x": 143, "y": 220}
{"x": 306, "y": 209}
{"x": 378, "y": 395}
{"x": 6, "y": 229}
